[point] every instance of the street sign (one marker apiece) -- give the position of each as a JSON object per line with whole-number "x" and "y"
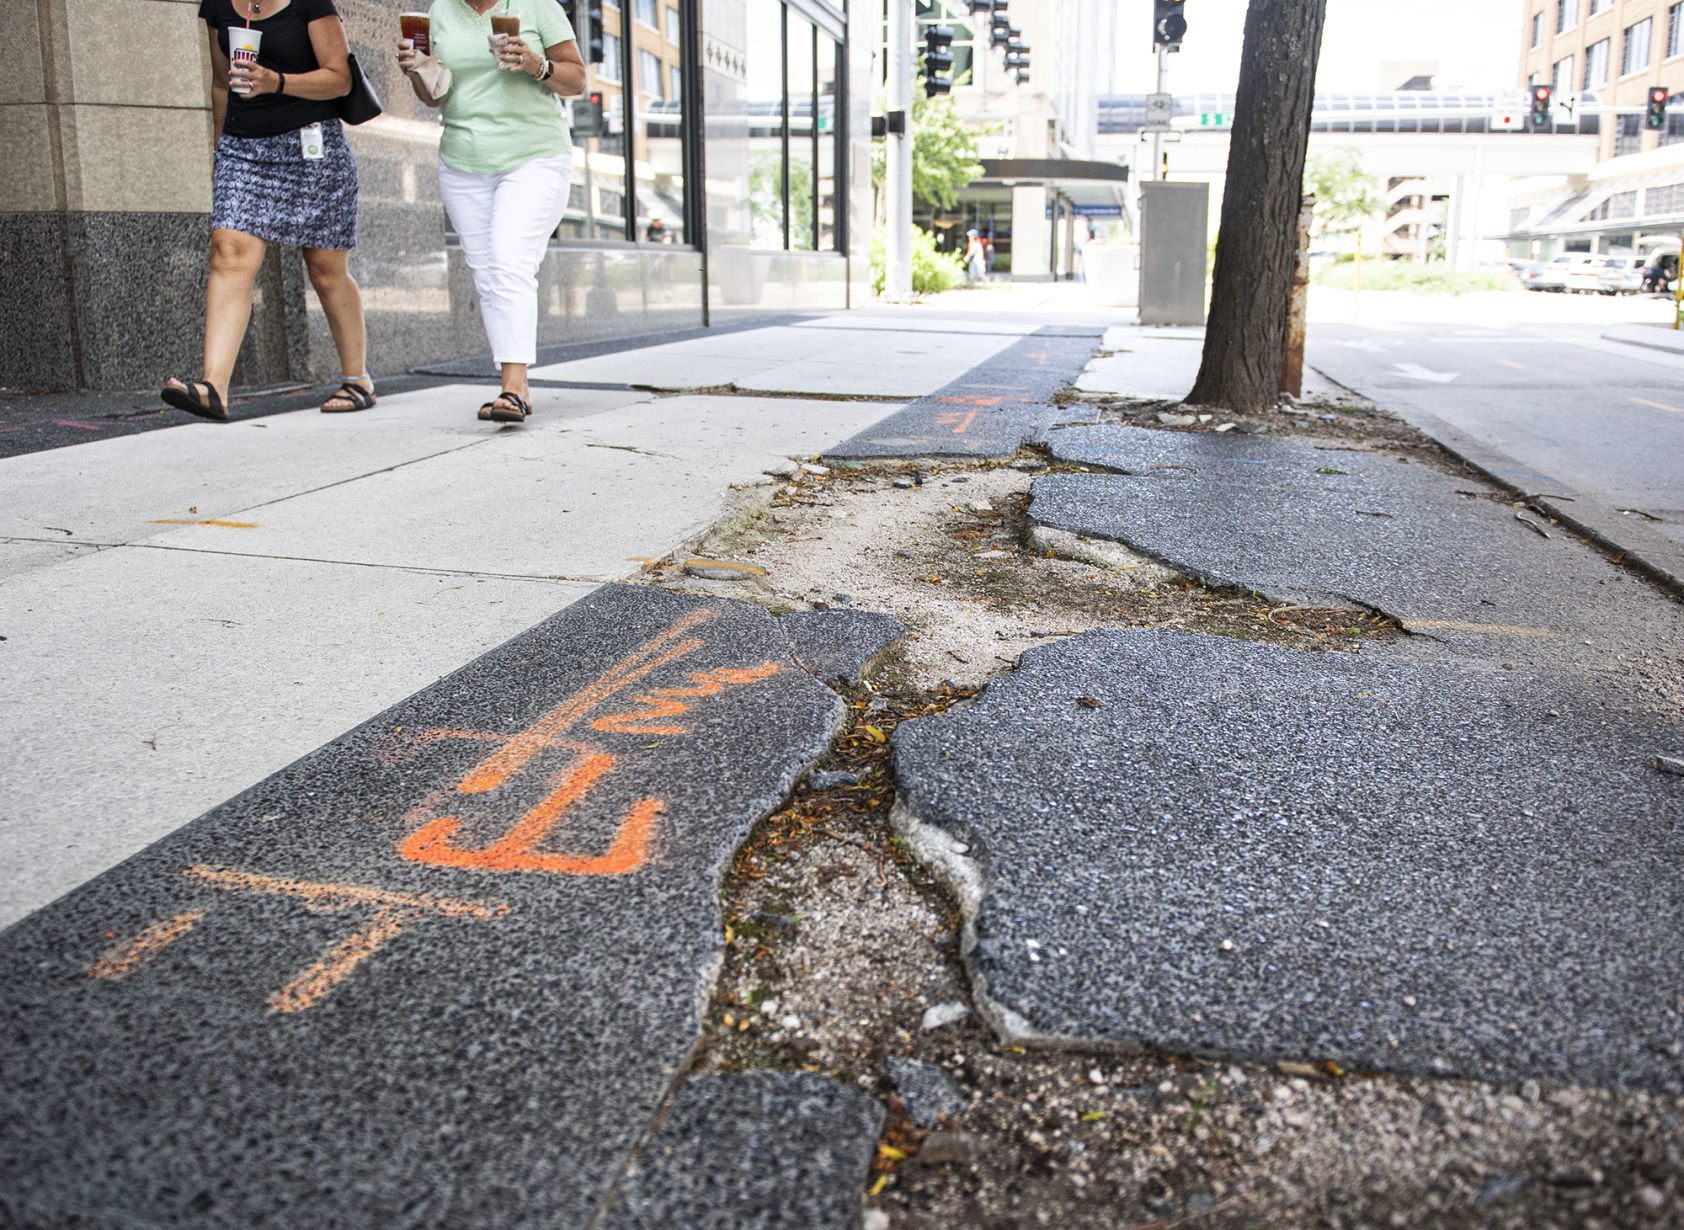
{"x": 1159, "y": 108}
{"x": 1213, "y": 119}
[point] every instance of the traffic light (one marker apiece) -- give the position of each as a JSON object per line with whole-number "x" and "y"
{"x": 937, "y": 59}
{"x": 593, "y": 31}
{"x": 1169, "y": 23}
{"x": 1655, "y": 116}
{"x": 1540, "y": 106}
{"x": 587, "y": 115}
{"x": 999, "y": 28}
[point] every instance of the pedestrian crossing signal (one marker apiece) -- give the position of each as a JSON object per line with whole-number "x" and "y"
{"x": 1169, "y": 23}
{"x": 1541, "y": 106}
{"x": 1655, "y": 116}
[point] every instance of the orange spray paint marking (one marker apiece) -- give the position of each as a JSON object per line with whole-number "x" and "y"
{"x": 972, "y": 401}
{"x": 517, "y": 849}
{"x": 952, "y": 417}
{"x": 497, "y": 768}
{"x": 232, "y": 525}
{"x": 130, "y": 955}
{"x": 661, "y": 703}
{"x": 394, "y": 912}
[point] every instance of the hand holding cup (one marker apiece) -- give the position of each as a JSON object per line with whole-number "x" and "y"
{"x": 512, "y": 54}
{"x": 407, "y": 55}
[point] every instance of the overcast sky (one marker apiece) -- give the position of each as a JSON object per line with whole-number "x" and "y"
{"x": 1476, "y": 42}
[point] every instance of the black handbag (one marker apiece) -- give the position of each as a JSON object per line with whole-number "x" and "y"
{"x": 360, "y": 103}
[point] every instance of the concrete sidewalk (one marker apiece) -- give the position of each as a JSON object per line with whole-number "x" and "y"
{"x": 189, "y": 609}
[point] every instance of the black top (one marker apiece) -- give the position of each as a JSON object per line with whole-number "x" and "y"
{"x": 285, "y": 49}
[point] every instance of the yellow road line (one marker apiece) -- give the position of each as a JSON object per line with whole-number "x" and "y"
{"x": 1643, "y": 401}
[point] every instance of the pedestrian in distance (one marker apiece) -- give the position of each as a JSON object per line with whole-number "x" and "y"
{"x": 283, "y": 173}
{"x": 976, "y": 257}
{"x": 505, "y": 161}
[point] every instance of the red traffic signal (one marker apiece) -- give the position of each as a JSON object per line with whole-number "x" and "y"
{"x": 1541, "y": 106}
{"x": 1655, "y": 115}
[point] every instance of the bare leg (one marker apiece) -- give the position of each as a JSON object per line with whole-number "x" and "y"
{"x": 514, "y": 379}
{"x": 234, "y": 260}
{"x": 342, "y": 304}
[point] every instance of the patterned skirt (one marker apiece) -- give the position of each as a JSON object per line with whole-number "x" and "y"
{"x": 265, "y": 187}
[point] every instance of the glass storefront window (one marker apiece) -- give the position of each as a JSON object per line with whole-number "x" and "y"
{"x": 828, "y": 132}
{"x": 658, "y": 150}
{"x": 802, "y": 150}
{"x": 766, "y": 123}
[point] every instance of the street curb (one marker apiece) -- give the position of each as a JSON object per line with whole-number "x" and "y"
{"x": 1655, "y": 337}
{"x": 1638, "y": 547}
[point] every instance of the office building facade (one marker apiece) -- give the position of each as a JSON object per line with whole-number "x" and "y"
{"x": 728, "y": 177}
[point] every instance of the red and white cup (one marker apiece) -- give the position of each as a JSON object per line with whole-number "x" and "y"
{"x": 243, "y": 42}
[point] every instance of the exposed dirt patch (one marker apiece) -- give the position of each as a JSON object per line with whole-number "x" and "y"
{"x": 954, "y": 557}
{"x": 839, "y": 943}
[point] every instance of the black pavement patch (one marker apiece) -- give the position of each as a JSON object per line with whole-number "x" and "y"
{"x": 760, "y": 1151}
{"x": 1298, "y": 523}
{"x": 1246, "y": 851}
{"x": 990, "y": 411}
{"x": 840, "y": 644}
{"x": 440, "y": 972}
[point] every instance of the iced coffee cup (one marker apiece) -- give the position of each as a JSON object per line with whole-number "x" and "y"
{"x": 418, "y": 30}
{"x": 507, "y": 24}
{"x": 243, "y": 42}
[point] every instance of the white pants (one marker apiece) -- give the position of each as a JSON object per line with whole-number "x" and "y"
{"x": 505, "y": 223}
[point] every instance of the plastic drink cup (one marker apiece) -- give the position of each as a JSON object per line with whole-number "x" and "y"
{"x": 417, "y": 28}
{"x": 243, "y": 42}
{"x": 506, "y": 23}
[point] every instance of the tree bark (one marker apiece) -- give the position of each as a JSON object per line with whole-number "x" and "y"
{"x": 1257, "y": 244}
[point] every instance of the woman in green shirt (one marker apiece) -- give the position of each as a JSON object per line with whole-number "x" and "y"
{"x": 505, "y": 162}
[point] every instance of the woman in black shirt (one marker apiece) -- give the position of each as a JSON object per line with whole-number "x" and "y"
{"x": 283, "y": 174}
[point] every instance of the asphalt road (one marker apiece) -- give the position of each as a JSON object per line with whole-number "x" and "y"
{"x": 1580, "y": 414}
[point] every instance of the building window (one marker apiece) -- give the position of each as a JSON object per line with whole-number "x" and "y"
{"x": 1634, "y": 49}
{"x": 1596, "y": 65}
{"x": 1673, "y": 133}
{"x": 1566, "y": 14}
{"x": 794, "y": 131}
{"x": 1673, "y": 33}
{"x": 1628, "y": 139}
{"x": 649, "y": 72}
{"x": 673, "y": 27}
{"x": 1667, "y": 199}
{"x": 1600, "y": 6}
{"x": 631, "y": 181}
{"x": 1537, "y": 29}
{"x": 1563, "y": 80}
{"x": 647, "y": 12}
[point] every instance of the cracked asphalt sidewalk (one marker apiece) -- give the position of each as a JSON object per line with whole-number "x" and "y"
{"x": 1254, "y": 828}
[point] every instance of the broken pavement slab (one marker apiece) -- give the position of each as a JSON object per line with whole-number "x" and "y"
{"x": 755, "y": 1151}
{"x": 1252, "y": 852}
{"x": 1304, "y": 524}
{"x": 444, "y": 969}
{"x": 840, "y": 645}
{"x": 990, "y": 411}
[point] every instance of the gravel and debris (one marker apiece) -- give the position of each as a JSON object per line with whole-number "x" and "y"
{"x": 842, "y": 954}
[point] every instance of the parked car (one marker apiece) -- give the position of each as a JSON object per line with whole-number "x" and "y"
{"x": 1620, "y": 275}
{"x": 1553, "y": 274}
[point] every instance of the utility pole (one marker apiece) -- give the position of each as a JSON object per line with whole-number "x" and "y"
{"x": 1158, "y": 137}
{"x": 897, "y": 188}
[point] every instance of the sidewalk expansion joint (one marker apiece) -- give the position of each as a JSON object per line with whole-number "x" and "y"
{"x": 355, "y": 563}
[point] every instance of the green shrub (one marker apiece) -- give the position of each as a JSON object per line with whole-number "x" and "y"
{"x": 932, "y": 271}
{"x": 1432, "y": 278}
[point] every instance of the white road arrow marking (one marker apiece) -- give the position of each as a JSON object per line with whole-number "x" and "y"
{"x": 1416, "y": 372}
{"x": 1370, "y": 344}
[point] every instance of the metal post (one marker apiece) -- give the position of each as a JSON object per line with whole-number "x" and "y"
{"x": 1677, "y": 290}
{"x": 897, "y": 240}
{"x": 1157, "y": 137}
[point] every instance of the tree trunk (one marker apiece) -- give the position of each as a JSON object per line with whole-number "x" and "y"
{"x": 1257, "y": 245}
